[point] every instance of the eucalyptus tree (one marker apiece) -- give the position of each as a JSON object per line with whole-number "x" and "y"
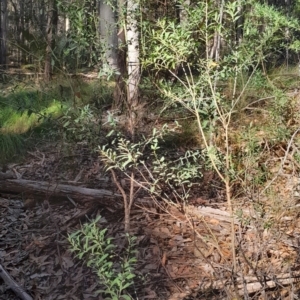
{"x": 108, "y": 29}
{"x": 112, "y": 36}
{"x": 119, "y": 30}
{"x": 52, "y": 21}
{"x": 3, "y": 34}
{"x": 133, "y": 56}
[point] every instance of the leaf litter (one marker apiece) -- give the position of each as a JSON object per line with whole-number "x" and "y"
{"x": 181, "y": 255}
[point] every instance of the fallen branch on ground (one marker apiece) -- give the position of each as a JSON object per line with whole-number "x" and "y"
{"x": 50, "y": 190}
{"x": 18, "y": 290}
{"x": 251, "y": 284}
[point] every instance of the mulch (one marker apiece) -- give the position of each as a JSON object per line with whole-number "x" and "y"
{"x": 179, "y": 255}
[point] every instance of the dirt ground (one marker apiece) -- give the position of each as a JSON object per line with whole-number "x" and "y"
{"x": 181, "y": 254}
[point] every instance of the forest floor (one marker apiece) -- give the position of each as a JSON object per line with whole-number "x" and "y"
{"x": 179, "y": 254}
{"x": 182, "y": 252}
{"x": 35, "y": 251}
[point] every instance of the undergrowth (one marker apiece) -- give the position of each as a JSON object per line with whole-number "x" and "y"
{"x": 115, "y": 272}
{"x": 259, "y": 138}
{"x": 31, "y": 112}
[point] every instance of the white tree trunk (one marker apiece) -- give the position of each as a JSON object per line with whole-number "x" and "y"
{"x": 67, "y": 24}
{"x": 133, "y": 52}
{"x": 108, "y": 33}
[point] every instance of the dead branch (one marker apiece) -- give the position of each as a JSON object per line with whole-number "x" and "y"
{"x": 12, "y": 284}
{"x": 205, "y": 211}
{"x": 252, "y": 285}
{"x": 50, "y": 190}
{"x": 7, "y": 175}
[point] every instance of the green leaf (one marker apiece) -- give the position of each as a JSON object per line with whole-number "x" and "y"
{"x": 126, "y": 297}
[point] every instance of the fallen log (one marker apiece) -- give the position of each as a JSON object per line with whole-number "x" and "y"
{"x": 213, "y": 213}
{"x": 253, "y": 284}
{"x": 50, "y": 190}
{"x": 7, "y": 175}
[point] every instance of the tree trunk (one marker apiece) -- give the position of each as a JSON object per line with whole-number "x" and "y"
{"x": 111, "y": 28}
{"x": 50, "y": 37}
{"x": 108, "y": 33}
{"x": 133, "y": 64}
{"x": 239, "y": 23}
{"x": 3, "y": 32}
{"x": 133, "y": 52}
{"x": 215, "y": 50}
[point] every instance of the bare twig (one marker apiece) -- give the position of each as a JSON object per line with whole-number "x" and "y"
{"x": 18, "y": 290}
{"x": 127, "y": 202}
{"x": 256, "y": 101}
{"x": 71, "y": 200}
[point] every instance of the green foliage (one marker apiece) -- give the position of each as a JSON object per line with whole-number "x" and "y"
{"x": 169, "y": 46}
{"x": 213, "y": 155}
{"x": 102, "y": 93}
{"x": 81, "y": 46}
{"x": 22, "y": 113}
{"x": 92, "y": 245}
{"x": 213, "y": 87}
{"x": 266, "y": 27}
{"x": 80, "y": 125}
{"x": 11, "y": 145}
{"x": 295, "y": 46}
{"x": 159, "y": 172}
{"x": 46, "y": 113}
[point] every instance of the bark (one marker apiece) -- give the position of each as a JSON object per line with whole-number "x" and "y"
{"x": 133, "y": 64}
{"x": 239, "y": 23}
{"x": 113, "y": 39}
{"x": 56, "y": 190}
{"x": 215, "y": 50}
{"x": 50, "y": 37}
{"x": 66, "y": 25}
{"x": 108, "y": 33}
{"x": 133, "y": 53}
{"x": 3, "y": 32}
